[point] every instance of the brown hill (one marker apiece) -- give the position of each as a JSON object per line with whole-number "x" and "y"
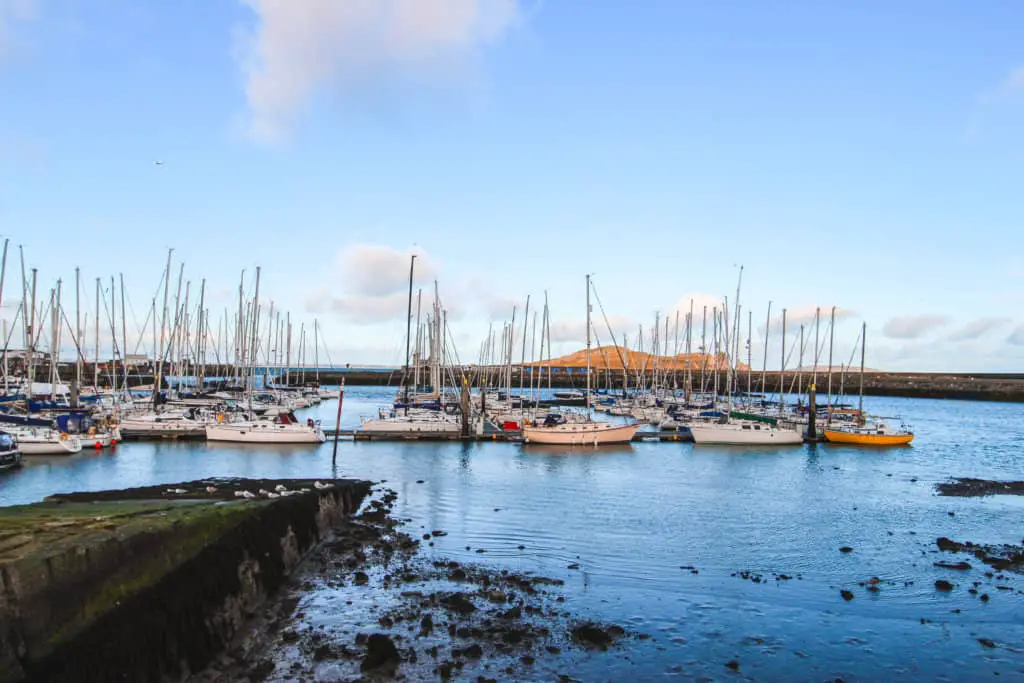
{"x": 612, "y": 357}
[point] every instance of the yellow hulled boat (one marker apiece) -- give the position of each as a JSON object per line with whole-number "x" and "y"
{"x": 878, "y": 434}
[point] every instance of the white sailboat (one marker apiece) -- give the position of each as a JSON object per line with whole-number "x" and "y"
{"x": 587, "y": 433}
{"x": 283, "y": 427}
{"x": 10, "y": 456}
{"x": 744, "y": 433}
{"x": 44, "y": 441}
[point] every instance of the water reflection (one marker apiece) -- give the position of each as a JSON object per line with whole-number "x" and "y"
{"x": 632, "y": 515}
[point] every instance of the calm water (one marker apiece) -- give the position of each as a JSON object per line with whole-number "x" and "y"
{"x": 632, "y": 516}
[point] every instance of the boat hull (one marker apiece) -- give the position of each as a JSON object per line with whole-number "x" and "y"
{"x": 580, "y": 434}
{"x": 10, "y": 459}
{"x": 853, "y": 438}
{"x": 265, "y": 434}
{"x": 46, "y": 446}
{"x": 735, "y": 435}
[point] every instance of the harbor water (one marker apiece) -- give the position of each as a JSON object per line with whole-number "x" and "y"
{"x": 761, "y": 528}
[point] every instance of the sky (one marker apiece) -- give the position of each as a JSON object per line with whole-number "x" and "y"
{"x": 866, "y": 156}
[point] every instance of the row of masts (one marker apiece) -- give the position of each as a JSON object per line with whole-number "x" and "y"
{"x": 184, "y": 339}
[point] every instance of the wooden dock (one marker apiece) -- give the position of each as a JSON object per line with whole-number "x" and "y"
{"x": 509, "y": 436}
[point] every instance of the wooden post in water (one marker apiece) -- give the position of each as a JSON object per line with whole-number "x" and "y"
{"x": 337, "y": 422}
{"x": 812, "y": 414}
{"x": 464, "y": 404}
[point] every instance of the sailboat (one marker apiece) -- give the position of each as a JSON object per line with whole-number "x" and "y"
{"x": 863, "y": 432}
{"x": 282, "y": 428}
{"x": 745, "y": 431}
{"x": 405, "y": 419}
{"x": 589, "y": 433}
{"x": 10, "y": 456}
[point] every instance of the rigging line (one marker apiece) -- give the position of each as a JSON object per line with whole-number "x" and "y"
{"x": 14, "y": 323}
{"x": 607, "y": 324}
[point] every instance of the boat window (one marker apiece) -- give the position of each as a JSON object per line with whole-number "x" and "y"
{"x": 746, "y": 426}
{"x": 757, "y": 427}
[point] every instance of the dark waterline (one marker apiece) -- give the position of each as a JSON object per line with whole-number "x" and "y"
{"x": 632, "y": 516}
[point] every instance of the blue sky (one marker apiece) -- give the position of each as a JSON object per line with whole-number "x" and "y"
{"x": 864, "y": 155}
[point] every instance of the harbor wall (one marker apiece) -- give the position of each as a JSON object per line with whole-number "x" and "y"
{"x": 150, "y": 590}
{"x": 966, "y": 386}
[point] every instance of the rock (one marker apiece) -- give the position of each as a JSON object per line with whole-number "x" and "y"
{"x": 592, "y": 635}
{"x": 360, "y": 578}
{"x": 733, "y": 665}
{"x": 527, "y": 660}
{"x": 473, "y": 651}
{"x": 458, "y": 602}
{"x": 943, "y": 585}
{"x": 438, "y": 532}
{"x": 948, "y": 545}
{"x": 419, "y": 481}
{"x": 846, "y": 549}
{"x": 426, "y": 537}
{"x": 497, "y": 597}
{"x": 457, "y": 575}
{"x": 263, "y": 670}
{"x": 574, "y": 565}
{"x": 380, "y": 653}
{"x": 426, "y": 625}
{"x": 323, "y": 652}
{"x": 961, "y": 566}
{"x": 984, "y": 597}
{"x": 553, "y": 650}
{"x": 847, "y": 595}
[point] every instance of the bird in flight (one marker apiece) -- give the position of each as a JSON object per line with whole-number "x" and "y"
{"x": 158, "y": 163}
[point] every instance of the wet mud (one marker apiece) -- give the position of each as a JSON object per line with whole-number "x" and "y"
{"x": 369, "y": 606}
{"x": 968, "y": 487}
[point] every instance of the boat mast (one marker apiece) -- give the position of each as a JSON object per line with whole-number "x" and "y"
{"x": 32, "y": 341}
{"x": 860, "y": 397}
{"x": 587, "y": 399}
{"x": 689, "y": 352}
{"x": 163, "y": 329}
{"x": 750, "y": 351}
{"x": 782, "y": 366}
{"x": 522, "y": 359}
{"x": 78, "y": 327}
{"x": 417, "y": 353}
{"x": 55, "y": 351}
{"x": 124, "y": 334}
{"x": 764, "y": 363}
{"x": 408, "y": 337}
{"x": 255, "y": 339}
{"x": 201, "y": 335}
{"x": 831, "y": 339}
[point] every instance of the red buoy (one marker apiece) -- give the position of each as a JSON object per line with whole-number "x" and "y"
{"x": 113, "y": 442}
{"x": 97, "y": 445}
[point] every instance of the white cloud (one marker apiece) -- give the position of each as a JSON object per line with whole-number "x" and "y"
{"x": 374, "y": 284}
{"x": 377, "y": 270}
{"x": 12, "y": 12}
{"x": 977, "y": 328}
{"x": 1017, "y": 336}
{"x": 1013, "y": 83}
{"x": 912, "y": 326}
{"x": 302, "y": 48}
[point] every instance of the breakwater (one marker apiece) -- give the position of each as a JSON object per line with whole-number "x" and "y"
{"x": 151, "y": 583}
{"x": 1005, "y": 387}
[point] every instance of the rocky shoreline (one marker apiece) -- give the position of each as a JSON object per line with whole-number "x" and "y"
{"x": 967, "y": 487}
{"x": 394, "y": 613}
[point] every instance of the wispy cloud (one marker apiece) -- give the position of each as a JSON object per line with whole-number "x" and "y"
{"x": 350, "y": 48}
{"x": 1017, "y": 336}
{"x": 977, "y": 328}
{"x": 11, "y": 13}
{"x": 913, "y": 326}
{"x": 374, "y": 281}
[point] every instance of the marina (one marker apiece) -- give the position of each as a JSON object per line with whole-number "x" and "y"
{"x": 709, "y": 507}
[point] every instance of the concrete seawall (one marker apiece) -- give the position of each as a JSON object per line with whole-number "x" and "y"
{"x": 150, "y": 584}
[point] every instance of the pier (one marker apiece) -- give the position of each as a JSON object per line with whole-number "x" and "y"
{"x": 151, "y": 583}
